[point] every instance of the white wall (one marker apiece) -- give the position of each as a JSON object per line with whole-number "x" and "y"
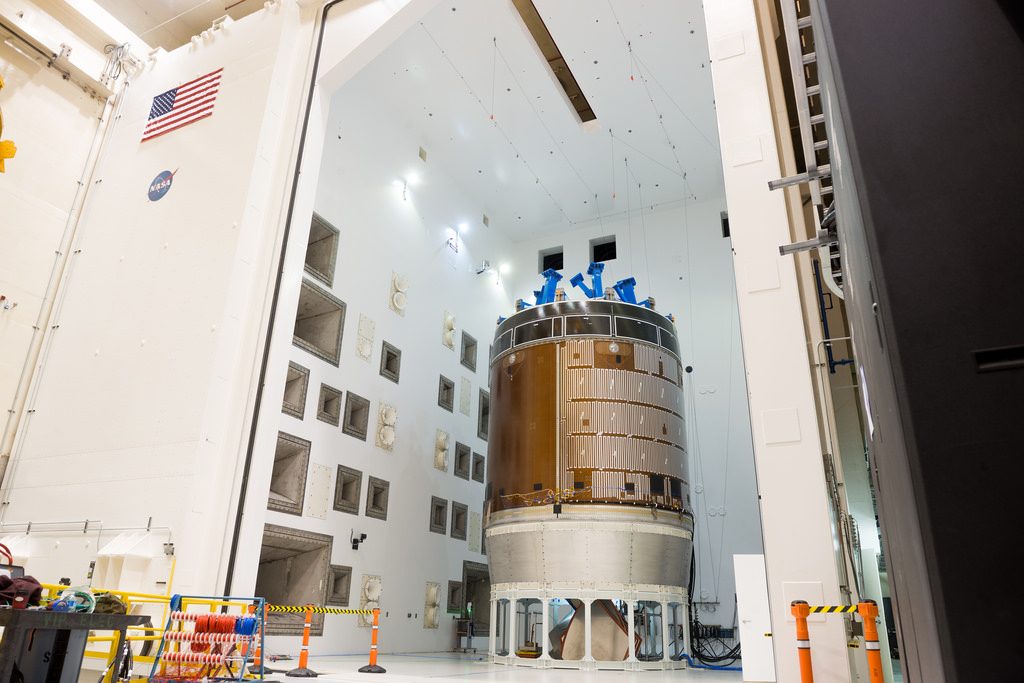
{"x": 678, "y": 255}
{"x": 799, "y": 548}
{"x": 53, "y": 122}
{"x": 140, "y": 400}
{"x": 382, "y": 233}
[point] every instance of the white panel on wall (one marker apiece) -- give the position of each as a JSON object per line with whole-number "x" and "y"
{"x": 432, "y": 605}
{"x": 473, "y": 538}
{"x": 465, "y": 395}
{"x": 318, "y": 498}
{"x": 369, "y": 596}
{"x": 364, "y": 337}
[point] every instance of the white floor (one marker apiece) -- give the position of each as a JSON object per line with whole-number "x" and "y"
{"x": 446, "y": 666}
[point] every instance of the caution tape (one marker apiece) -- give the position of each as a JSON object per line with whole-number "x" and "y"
{"x": 832, "y": 609}
{"x": 302, "y": 609}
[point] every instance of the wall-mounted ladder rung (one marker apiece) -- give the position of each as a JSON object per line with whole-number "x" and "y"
{"x": 820, "y": 145}
{"x": 813, "y": 90}
{"x": 810, "y": 58}
{"x": 817, "y": 118}
{"x": 803, "y": 22}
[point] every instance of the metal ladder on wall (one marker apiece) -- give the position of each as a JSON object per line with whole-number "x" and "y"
{"x": 803, "y": 63}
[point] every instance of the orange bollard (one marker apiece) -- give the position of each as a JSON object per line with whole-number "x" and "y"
{"x": 801, "y": 610}
{"x": 372, "y": 667}
{"x": 303, "y": 670}
{"x": 868, "y": 611}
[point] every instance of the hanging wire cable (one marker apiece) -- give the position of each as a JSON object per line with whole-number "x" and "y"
{"x": 675, "y": 104}
{"x": 635, "y": 60}
{"x": 696, "y": 449}
{"x": 728, "y": 433}
{"x": 494, "y": 72}
{"x": 497, "y": 126}
{"x": 646, "y": 155}
{"x": 522, "y": 91}
{"x": 629, "y": 215}
{"x": 643, "y": 225}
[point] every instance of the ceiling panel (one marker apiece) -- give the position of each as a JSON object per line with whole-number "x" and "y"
{"x": 471, "y": 82}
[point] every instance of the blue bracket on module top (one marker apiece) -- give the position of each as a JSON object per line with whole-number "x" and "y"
{"x": 624, "y": 289}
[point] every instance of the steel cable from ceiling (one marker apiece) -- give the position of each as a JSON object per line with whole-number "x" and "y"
{"x": 635, "y": 60}
{"x": 497, "y": 126}
{"x": 551, "y": 136}
{"x": 643, "y": 226}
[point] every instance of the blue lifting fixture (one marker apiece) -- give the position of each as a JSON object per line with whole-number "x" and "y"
{"x": 624, "y": 288}
{"x": 546, "y": 294}
{"x": 594, "y": 271}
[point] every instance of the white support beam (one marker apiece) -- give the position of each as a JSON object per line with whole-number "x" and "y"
{"x": 799, "y": 552}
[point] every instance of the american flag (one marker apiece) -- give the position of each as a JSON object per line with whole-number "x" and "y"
{"x": 180, "y": 106}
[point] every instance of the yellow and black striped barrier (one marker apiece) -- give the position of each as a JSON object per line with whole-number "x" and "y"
{"x": 302, "y": 609}
{"x": 833, "y": 609}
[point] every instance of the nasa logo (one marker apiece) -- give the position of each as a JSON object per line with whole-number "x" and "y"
{"x": 160, "y": 185}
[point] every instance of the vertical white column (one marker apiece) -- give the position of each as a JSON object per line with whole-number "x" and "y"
{"x": 685, "y": 610}
{"x": 794, "y": 507}
{"x": 630, "y": 632}
{"x": 664, "y": 630}
{"x": 588, "y": 654}
{"x": 545, "y": 606}
{"x": 513, "y": 624}
{"x": 493, "y": 631}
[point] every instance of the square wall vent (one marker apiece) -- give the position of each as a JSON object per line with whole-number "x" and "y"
{"x": 339, "y": 585}
{"x": 319, "y": 322}
{"x": 467, "y": 356}
{"x": 446, "y": 394}
{"x": 293, "y": 570}
{"x": 295, "y": 386}
{"x": 357, "y": 416}
{"x": 322, "y": 250}
{"x": 455, "y": 597}
{"x": 460, "y": 520}
{"x": 329, "y": 405}
{"x": 288, "y": 479}
{"x": 377, "y": 498}
{"x": 463, "y": 460}
{"x": 479, "y": 467}
{"x": 390, "y": 362}
{"x": 347, "y": 490}
{"x": 438, "y": 515}
{"x": 483, "y": 420}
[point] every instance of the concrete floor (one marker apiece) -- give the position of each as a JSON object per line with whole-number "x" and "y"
{"x": 446, "y": 666}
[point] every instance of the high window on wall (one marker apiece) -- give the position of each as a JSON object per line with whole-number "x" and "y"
{"x": 602, "y": 249}
{"x": 550, "y": 258}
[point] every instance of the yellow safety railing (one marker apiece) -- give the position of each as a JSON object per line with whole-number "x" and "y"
{"x": 136, "y": 634}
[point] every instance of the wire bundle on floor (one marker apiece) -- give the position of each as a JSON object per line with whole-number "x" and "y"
{"x": 712, "y": 651}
